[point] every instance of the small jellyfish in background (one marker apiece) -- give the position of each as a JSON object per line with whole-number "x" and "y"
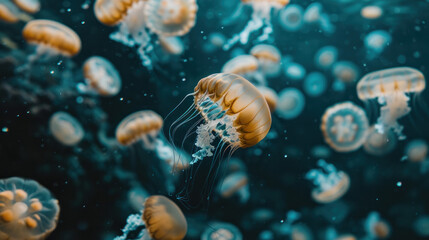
{"x": 27, "y": 210}
{"x": 391, "y": 87}
{"x": 290, "y": 104}
{"x": 161, "y": 218}
{"x": 375, "y": 43}
{"x": 66, "y": 129}
{"x": 345, "y": 73}
{"x": 293, "y": 71}
{"x": 261, "y": 19}
{"x": 375, "y": 227}
{"x": 285, "y": 228}
{"x": 137, "y": 196}
{"x": 214, "y": 42}
{"x": 270, "y": 96}
{"x": 315, "y": 15}
{"x": 9, "y": 13}
{"x": 221, "y": 231}
{"x": 315, "y": 84}
{"x": 101, "y": 77}
{"x": 344, "y": 126}
{"x": 301, "y": 232}
{"x": 416, "y": 151}
{"x": 235, "y": 184}
{"x": 379, "y": 144}
{"x": 421, "y": 226}
{"x": 246, "y": 66}
{"x": 171, "y": 45}
{"x": 320, "y": 152}
{"x": 30, "y": 6}
{"x": 331, "y": 234}
{"x": 371, "y": 12}
{"x": 325, "y": 57}
{"x": 331, "y": 184}
{"x": 269, "y": 58}
{"x": 291, "y": 17}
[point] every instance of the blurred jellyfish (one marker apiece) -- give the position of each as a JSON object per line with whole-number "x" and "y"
{"x": 66, "y": 129}
{"x": 9, "y": 13}
{"x": 375, "y": 227}
{"x": 315, "y": 84}
{"x": 371, "y": 12}
{"x": 345, "y": 72}
{"x": 301, "y": 232}
{"x": 261, "y": 19}
{"x": 375, "y": 43}
{"x": 379, "y": 144}
{"x": 266, "y": 235}
{"x": 136, "y": 197}
{"x": 101, "y": 77}
{"x": 417, "y": 151}
{"x": 215, "y": 42}
{"x": 172, "y": 45}
{"x": 291, "y": 103}
{"x": 235, "y": 183}
{"x": 313, "y": 13}
{"x": 331, "y": 234}
{"x": 291, "y": 17}
{"x": 27, "y": 210}
{"x": 270, "y": 96}
{"x": 30, "y": 6}
{"x": 262, "y": 215}
{"x": 326, "y": 57}
{"x": 236, "y": 165}
{"x": 294, "y": 71}
{"x": 321, "y": 151}
{"x": 331, "y": 184}
{"x": 286, "y": 226}
{"x": 390, "y": 87}
{"x": 268, "y": 58}
{"x": 246, "y": 66}
{"x": 221, "y": 231}
{"x": 344, "y": 127}
{"x": 161, "y": 218}
{"x": 421, "y": 226}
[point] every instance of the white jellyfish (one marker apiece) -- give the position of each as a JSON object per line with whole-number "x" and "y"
{"x": 315, "y": 84}
{"x": 290, "y": 104}
{"x": 375, "y": 43}
{"x": 325, "y": 57}
{"x": 291, "y": 17}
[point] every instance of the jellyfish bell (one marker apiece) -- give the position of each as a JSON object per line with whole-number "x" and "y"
{"x": 344, "y": 127}
{"x": 268, "y": 58}
{"x": 30, "y": 6}
{"x": 28, "y": 210}
{"x": 421, "y": 226}
{"x": 235, "y": 183}
{"x": 376, "y": 227}
{"x": 379, "y": 144}
{"x": 315, "y": 84}
{"x": 291, "y": 17}
{"x": 9, "y": 13}
{"x": 66, "y": 129}
{"x": 301, "y": 232}
{"x": 246, "y": 66}
{"x": 221, "y": 231}
{"x": 290, "y": 104}
{"x": 345, "y": 72}
{"x": 270, "y": 96}
{"x": 216, "y": 40}
{"x": 172, "y": 45}
{"x": 375, "y": 43}
{"x": 371, "y": 12}
{"x": 416, "y": 150}
{"x": 391, "y": 87}
{"x": 325, "y": 57}
{"x": 294, "y": 71}
{"x": 313, "y": 13}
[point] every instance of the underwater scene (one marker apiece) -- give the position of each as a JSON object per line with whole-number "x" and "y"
{"x": 214, "y": 119}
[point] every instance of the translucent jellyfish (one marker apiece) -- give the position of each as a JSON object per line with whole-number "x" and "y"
{"x": 321, "y": 151}
{"x": 235, "y": 184}
{"x": 375, "y": 227}
{"x": 375, "y": 43}
{"x": 345, "y": 72}
{"x": 371, "y": 12}
{"x": 390, "y": 87}
{"x": 30, "y": 6}
{"x": 291, "y": 17}
{"x": 294, "y": 71}
{"x": 172, "y": 45}
{"x": 261, "y": 19}
{"x": 315, "y": 84}
{"x": 291, "y": 103}
{"x": 286, "y": 227}
{"x": 344, "y": 126}
{"x": 27, "y": 210}
{"x": 313, "y": 13}
{"x": 379, "y": 144}
{"x": 301, "y": 232}
{"x": 417, "y": 151}
{"x": 221, "y": 231}
{"x": 421, "y": 226}
{"x": 136, "y": 197}
{"x": 101, "y": 77}
{"x": 10, "y": 13}
{"x": 331, "y": 184}
{"x": 215, "y": 42}
{"x": 161, "y": 218}
{"x": 270, "y": 96}
{"x": 268, "y": 58}
{"x": 331, "y": 234}
{"x": 325, "y": 57}
{"x": 66, "y": 129}
{"x": 246, "y": 66}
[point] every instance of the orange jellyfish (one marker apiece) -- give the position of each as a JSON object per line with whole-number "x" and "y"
{"x": 246, "y": 66}
{"x": 101, "y": 77}
{"x": 379, "y": 144}
{"x": 11, "y": 14}
{"x": 261, "y": 19}
{"x": 162, "y": 219}
{"x": 235, "y": 183}
{"x": 66, "y": 129}
{"x": 268, "y": 57}
{"x": 391, "y": 87}
{"x": 30, "y": 6}
{"x": 27, "y": 210}
{"x": 270, "y": 96}
{"x": 172, "y": 45}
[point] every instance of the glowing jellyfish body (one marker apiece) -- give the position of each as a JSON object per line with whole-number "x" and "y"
{"x": 371, "y": 12}
{"x": 301, "y": 232}
{"x": 313, "y": 13}
{"x": 379, "y": 144}
{"x": 30, "y": 6}
{"x": 221, "y": 231}
{"x": 268, "y": 58}
{"x": 101, "y": 77}
{"x": 375, "y": 43}
{"x": 27, "y": 210}
{"x": 291, "y": 103}
{"x": 315, "y": 84}
{"x": 9, "y": 13}
{"x": 235, "y": 183}
{"x": 325, "y": 57}
{"x": 416, "y": 150}
{"x": 246, "y": 66}
{"x": 260, "y": 20}
{"x": 294, "y": 71}
{"x": 345, "y": 72}
{"x": 270, "y": 96}
{"x": 331, "y": 183}
{"x": 215, "y": 42}
{"x": 421, "y": 226}
{"x": 291, "y": 17}
{"x": 344, "y": 126}
{"x": 286, "y": 227}
{"x": 162, "y": 219}
{"x": 375, "y": 227}
{"x": 172, "y": 45}
{"x": 66, "y": 129}
{"x": 390, "y": 87}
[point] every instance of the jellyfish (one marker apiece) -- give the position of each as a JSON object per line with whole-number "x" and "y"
{"x": 375, "y": 227}
{"x": 30, "y": 6}
{"x": 235, "y": 183}
{"x": 9, "y": 13}
{"x": 313, "y": 13}
{"x": 325, "y": 57}
{"x": 301, "y": 232}
{"x": 294, "y": 71}
{"x": 375, "y": 43}
{"x": 371, "y": 12}
{"x": 391, "y": 87}
{"x": 315, "y": 84}
{"x": 291, "y": 17}
{"x": 379, "y": 144}
{"x": 270, "y": 96}
{"x": 266, "y": 235}
{"x": 261, "y": 19}
{"x": 291, "y": 103}
{"x": 137, "y": 196}
{"x": 171, "y": 45}
{"x": 345, "y": 72}
{"x": 101, "y": 77}
{"x": 287, "y": 225}
{"x": 421, "y": 226}
{"x": 66, "y": 129}
{"x": 331, "y": 234}
{"x": 417, "y": 151}
{"x": 215, "y": 42}
{"x": 331, "y": 184}
{"x": 344, "y": 127}
{"x": 268, "y": 59}
{"x": 161, "y": 218}
{"x": 27, "y": 210}
{"x": 246, "y": 66}
{"x": 321, "y": 151}
{"x": 221, "y": 231}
